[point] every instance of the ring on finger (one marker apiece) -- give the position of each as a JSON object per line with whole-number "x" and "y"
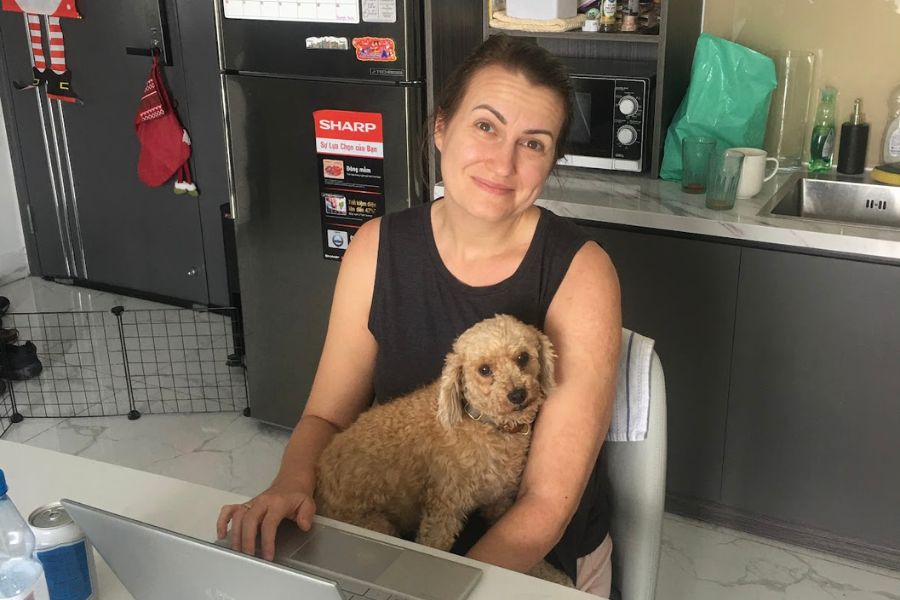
{"x": 246, "y": 505}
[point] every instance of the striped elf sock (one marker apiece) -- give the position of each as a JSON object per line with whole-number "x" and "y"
{"x": 37, "y": 45}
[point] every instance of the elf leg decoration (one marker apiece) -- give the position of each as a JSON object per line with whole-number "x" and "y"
{"x": 59, "y": 80}
{"x": 37, "y": 52}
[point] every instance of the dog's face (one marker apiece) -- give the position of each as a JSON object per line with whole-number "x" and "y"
{"x": 501, "y": 367}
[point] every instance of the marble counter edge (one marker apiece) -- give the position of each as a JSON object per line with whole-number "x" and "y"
{"x": 639, "y": 203}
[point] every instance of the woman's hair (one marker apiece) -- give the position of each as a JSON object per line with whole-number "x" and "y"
{"x": 517, "y": 55}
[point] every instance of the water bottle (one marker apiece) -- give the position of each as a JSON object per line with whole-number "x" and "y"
{"x": 21, "y": 576}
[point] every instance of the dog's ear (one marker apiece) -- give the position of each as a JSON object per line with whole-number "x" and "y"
{"x": 547, "y": 377}
{"x": 449, "y": 411}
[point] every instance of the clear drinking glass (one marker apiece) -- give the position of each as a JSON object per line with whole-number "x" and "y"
{"x": 787, "y": 134}
{"x": 724, "y": 175}
{"x": 695, "y": 154}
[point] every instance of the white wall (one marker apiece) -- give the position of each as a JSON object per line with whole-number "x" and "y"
{"x": 13, "y": 260}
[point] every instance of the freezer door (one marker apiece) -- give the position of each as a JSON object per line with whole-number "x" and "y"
{"x": 286, "y": 283}
{"x": 347, "y": 39}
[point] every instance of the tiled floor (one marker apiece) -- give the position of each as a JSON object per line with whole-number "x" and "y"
{"x": 232, "y": 452}
{"x": 171, "y": 359}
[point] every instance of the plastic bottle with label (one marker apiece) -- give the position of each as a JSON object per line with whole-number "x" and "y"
{"x": 821, "y": 146}
{"x": 891, "y": 148}
{"x": 21, "y": 575}
{"x": 608, "y": 13}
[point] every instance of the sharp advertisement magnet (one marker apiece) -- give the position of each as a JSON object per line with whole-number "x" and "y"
{"x": 350, "y": 151}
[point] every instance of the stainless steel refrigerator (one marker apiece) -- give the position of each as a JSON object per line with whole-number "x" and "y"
{"x": 324, "y": 102}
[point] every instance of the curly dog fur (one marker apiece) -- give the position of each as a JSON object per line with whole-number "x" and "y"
{"x": 422, "y": 462}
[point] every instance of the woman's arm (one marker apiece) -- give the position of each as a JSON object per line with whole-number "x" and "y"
{"x": 341, "y": 390}
{"x": 584, "y": 323}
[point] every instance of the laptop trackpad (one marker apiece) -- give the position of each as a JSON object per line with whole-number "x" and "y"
{"x": 426, "y": 576}
{"x": 347, "y": 554}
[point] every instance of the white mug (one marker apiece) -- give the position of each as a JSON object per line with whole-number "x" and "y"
{"x": 753, "y": 173}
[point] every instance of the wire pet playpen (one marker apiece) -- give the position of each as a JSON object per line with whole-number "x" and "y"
{"x": 126, "y": 362}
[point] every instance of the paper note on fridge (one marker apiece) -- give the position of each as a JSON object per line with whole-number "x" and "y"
{"x": 315, "y": 11}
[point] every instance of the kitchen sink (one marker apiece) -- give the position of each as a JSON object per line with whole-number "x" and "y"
{"x": 847, "y": 202}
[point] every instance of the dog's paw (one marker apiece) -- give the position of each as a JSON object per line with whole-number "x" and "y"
{"x": 547, "y": 572}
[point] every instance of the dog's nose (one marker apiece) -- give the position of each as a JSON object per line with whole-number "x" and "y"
{"x": 517, "y": 396}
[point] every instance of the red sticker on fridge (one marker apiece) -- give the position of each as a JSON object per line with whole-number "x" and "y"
{"x": 375, "y": 49}
{"x": 350, "y": 149}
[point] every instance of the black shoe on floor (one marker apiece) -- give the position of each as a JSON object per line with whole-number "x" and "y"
{"x": 8, "y": 336}
{"x": 19, "y": 362}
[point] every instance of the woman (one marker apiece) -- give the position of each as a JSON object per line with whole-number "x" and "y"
{"x": 412, "y": 281}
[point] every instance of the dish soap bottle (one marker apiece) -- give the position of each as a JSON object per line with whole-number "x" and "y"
{"x": 891, "y": 151}
{"x": 821, "y": 147}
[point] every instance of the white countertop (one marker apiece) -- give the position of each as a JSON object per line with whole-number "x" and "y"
{"x": 656, "y": 204}
{"x": 37, "y": 477}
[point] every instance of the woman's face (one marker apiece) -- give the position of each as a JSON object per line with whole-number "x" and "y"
{"x": 499, "y": 147}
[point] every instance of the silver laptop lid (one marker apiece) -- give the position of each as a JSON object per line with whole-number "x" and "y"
{"x": 155, "y": 563}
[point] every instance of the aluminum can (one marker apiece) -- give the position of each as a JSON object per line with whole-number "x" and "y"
{"x": 65, "y": 553}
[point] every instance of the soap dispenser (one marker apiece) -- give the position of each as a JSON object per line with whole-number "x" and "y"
{"x": 821, "y": 144}
{"x": 891, "y": 151}
{"x": 854, "y": 139}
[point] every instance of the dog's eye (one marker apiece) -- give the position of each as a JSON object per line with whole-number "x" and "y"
{"x": 485, "y": 370}
{"x": 522, "y": 359}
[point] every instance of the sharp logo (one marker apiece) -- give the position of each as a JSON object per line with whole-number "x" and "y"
{"x": 356, "y": 126}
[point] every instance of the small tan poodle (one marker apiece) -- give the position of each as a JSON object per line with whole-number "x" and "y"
{"x": 424, "y": 461}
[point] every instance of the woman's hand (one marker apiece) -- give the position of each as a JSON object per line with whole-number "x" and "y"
{"x": 263, "y": 514}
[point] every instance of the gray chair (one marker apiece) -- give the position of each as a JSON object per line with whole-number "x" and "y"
{"x": 637, "y": 476}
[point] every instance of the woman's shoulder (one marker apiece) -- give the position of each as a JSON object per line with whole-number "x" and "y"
{"x": 562, "y": 227}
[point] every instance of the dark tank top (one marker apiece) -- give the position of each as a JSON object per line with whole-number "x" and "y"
{"x": 419, "y": 308}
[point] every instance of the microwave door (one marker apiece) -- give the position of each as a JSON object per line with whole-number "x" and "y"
{"x": 591, "y": 133}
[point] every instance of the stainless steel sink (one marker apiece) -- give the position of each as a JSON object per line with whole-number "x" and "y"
{"x": 847, "y": 202}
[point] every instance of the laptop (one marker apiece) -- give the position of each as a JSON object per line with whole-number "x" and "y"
{"x": 324, "y": 563}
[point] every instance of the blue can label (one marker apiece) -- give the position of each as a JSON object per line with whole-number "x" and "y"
{"x": 67, "y": 570}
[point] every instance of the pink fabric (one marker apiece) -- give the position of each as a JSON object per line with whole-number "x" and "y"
{"x": 595, "y": 570}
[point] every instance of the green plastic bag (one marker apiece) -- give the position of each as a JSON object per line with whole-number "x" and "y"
{"x": 727, "y": 99}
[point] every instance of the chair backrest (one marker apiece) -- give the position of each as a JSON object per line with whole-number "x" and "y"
{"x": 637, "y": 477}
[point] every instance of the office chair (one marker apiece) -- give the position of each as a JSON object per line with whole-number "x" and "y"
{"x": 637, "y": 477}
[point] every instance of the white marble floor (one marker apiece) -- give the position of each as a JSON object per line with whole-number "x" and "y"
{"x": 232, "y": 452}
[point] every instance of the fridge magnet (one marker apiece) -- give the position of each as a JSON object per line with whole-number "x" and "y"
{"x": 328, "y": 42}
{"x": 350, "y": 152}
{"x": 375, "y": 49}
{"x": 58, "y": 78}
{"x": 165, "y": 144}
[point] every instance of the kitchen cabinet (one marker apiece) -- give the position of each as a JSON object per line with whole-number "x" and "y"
{"x": 682, "y": 293}
{"x": 87, "y": 216}
{"x": 782, "y": 385}
{"x": 814, "y": 408}
{"x": 668, "y": 48}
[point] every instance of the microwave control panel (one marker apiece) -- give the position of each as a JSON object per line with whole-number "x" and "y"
{"x": 629, "y": 120}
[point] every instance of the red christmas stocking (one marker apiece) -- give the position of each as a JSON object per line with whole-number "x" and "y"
{"x": 165, "y": 145}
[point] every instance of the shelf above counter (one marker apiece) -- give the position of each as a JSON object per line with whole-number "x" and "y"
{"x": 590, "y": 36}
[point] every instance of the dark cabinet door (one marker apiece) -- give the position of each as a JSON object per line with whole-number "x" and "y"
{"x": 814, "y": 414}
{"x": 682, "y": 293}
{"x": 94, "y": 218}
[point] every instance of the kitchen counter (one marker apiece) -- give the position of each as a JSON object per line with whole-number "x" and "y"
{"x": 37, "y": 477}
{"x": 657, "y": 204}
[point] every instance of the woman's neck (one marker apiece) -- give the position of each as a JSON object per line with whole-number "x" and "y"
{"x": 479, "y": 252}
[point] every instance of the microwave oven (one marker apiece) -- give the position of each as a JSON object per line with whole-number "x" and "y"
{"x": 612, "y": 126}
